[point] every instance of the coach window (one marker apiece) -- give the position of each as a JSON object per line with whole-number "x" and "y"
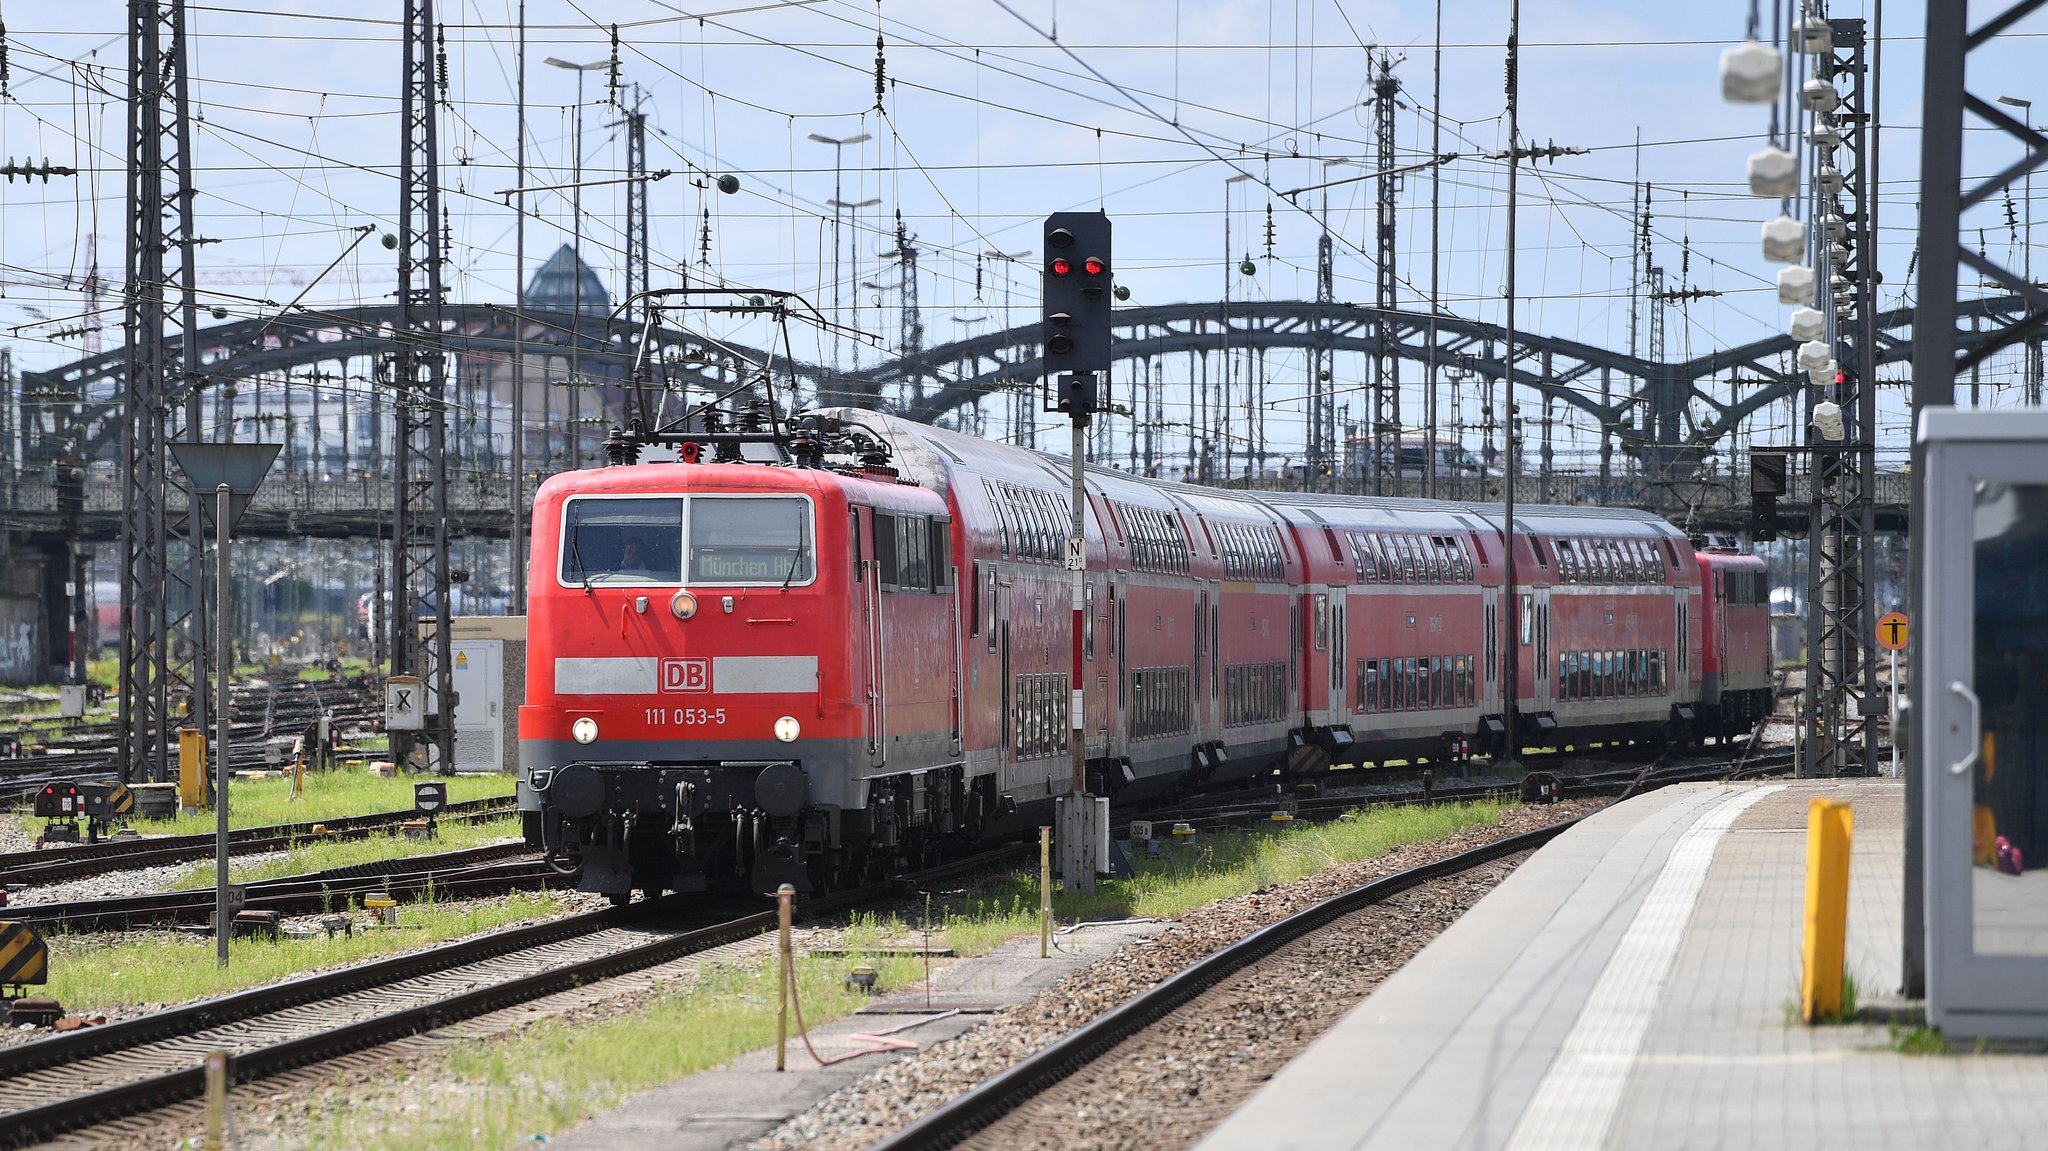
{"x": 1002, "y": 510}
{"x": 1322, "y": 622}
{"x": 622, "y": 540}
{"x": 1567, "y": 562}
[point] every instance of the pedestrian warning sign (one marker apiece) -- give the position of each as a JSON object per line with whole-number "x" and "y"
{"x": 1892, "y": 631}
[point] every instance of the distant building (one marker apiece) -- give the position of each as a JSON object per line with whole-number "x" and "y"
{"x": 553, "y": 285}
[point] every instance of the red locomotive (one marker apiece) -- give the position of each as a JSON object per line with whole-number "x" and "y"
{"x": 804, "y": 670}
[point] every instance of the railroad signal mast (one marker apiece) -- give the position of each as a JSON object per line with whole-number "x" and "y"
{"x": 1075, "y": 315}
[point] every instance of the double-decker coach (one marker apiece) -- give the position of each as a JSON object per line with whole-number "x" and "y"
{"x": 800, "y": 671}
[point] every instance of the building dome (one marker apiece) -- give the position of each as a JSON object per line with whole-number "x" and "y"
{"x": 554, "y": 285}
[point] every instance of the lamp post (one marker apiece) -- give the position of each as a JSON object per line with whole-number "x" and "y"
{"x": 2026, "y": 108}
{"x": 576, "y": 250}
{"x": 836, "y": 203}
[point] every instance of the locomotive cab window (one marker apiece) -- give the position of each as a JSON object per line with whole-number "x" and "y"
{"x": 735, "y": 539}
{"x": 622, "y": 541}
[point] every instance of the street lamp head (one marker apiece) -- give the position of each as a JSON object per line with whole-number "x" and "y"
{"x": 860, "y": 139}
{"x": 558, "y": 62}
{"x": 2016, "y": 102}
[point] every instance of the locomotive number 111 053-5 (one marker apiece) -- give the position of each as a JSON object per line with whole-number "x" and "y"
{"x": 685, "y": 716}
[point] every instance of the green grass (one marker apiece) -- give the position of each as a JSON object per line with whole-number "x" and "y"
{"x": 88, "y": 974}
{"x": 262, "y": 802}
{"x": 555, "y": 1074}
{"x": 1215, "y": 867}
{"x": 1922, "y": 1040}
{"x": 316, "y": 855}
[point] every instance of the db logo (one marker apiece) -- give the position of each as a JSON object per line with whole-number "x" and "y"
{"x": 686, "y": 675}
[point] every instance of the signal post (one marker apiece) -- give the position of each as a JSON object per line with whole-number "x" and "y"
{"x": 1075, "y": 317}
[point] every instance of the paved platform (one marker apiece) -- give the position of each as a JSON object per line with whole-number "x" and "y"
{"x": 1635, "y": 985}
{"x": 748, "y": 1098}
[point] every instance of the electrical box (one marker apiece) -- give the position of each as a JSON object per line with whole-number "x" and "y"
{"x": 1981, "y": 732}
{"x": 405, "y": 703}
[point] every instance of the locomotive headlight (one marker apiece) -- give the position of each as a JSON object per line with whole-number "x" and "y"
{"x": 787, "y": 729}
{"x": 584, "y": 729}
{"x": 683, "y": 604}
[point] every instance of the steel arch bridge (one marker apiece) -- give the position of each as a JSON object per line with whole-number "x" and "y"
{"x": 1664, "y": 414}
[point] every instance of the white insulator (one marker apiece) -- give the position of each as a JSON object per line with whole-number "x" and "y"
{"x": 1824, "y": 136}
{"x": 1808, "y": 324}
{"x": 1784, "y": 240}
{"x": 1819, "y": 96}
{"x": 1838, "y": 254}
{"x": 1829, "y": 179}
{"x": 1813, "y": 355}
{"x": 1750, "y": 73}
{"x": 1795, "y": 285}
{"x": 1827, "y": 420}
{"x": 1773, "y": 173}
{"x": 1838, "y": 286}
{"x": 1816, "y": 36}
{"x": 1837, "y": 228}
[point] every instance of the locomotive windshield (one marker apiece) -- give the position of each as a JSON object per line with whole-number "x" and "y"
{"x": 622, "y": 541}
{"x": 750, "y": 540}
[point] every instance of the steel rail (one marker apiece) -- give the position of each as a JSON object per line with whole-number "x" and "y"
{"x": 965, "y": 1115}
{"x": 449, "y": 872}
{"x": 44, "y": 865}
{"x": 28, "y": 1125}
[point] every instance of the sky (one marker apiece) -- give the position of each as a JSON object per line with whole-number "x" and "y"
{"x": 993, "y": 114}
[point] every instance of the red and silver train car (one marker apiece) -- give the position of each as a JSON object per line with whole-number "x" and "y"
{"x": 794, "y": 672}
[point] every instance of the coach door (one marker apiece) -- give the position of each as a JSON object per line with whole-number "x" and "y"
{"x": 1315, "y": 646}
{"x": 870, "y": 636}
{"x": 1541, "y": 672}
{"x": 1338, "y": 680}
{"x": 1489, "y": 654}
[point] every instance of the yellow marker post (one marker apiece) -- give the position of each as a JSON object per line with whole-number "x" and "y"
{"x": 1044, "y": 892}
{"x": 191, "y": 769}
{"x": 783, "y": 895}
{"x": 1829, "y": 825}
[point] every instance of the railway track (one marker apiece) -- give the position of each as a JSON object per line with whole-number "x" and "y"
{"x": 965, "y": 1115}
{"x": 467, "y": 873}
{"x": 1254, "y": 807}
{"x": 50, "y": 864}
{"x": 98, "y": 1074}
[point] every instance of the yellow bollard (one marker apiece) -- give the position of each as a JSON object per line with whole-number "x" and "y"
{"x": 216, "y": 1099}
{"x": 1829, "y": 825}
{"x": 783, "y": 896}
{"x": 1044, "y": 892}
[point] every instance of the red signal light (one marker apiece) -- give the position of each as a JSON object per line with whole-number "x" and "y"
{"x": 1093, "y": 265}
{"x": 1061, "y": 265}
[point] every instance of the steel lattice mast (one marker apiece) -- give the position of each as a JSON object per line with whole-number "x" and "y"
{"x": 1842, "y": 690}
{"x": 1386, "y": 367}
{"x": 419, "y": 379}
{"x": 163, "y": 632}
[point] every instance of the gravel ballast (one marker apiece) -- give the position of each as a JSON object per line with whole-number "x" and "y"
{"x": 1153, "y": 1102}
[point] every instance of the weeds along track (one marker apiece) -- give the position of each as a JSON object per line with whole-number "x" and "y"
{"x": 98, "y": 1074}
